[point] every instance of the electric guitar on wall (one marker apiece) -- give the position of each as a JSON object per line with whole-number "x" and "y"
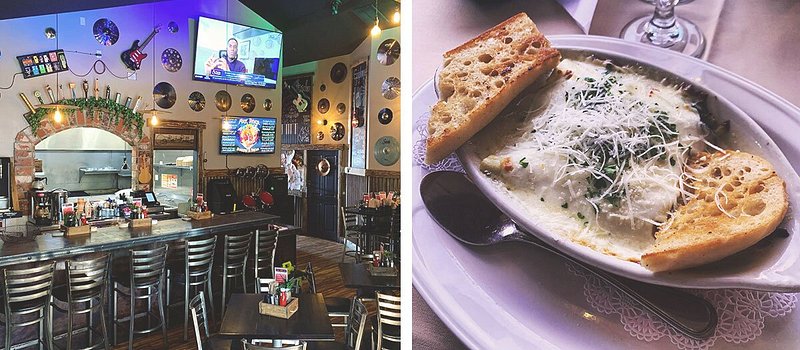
{"x": 133, "y": 57}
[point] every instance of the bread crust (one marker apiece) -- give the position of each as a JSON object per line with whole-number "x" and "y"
{"x": 446, "y": 141}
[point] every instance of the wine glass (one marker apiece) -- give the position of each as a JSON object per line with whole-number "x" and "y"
{"x": 664, "y": 29}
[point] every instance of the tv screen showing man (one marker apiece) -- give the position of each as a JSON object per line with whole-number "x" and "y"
{"x": 236, "y": 54}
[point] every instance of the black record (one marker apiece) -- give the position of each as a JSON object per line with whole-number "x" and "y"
{"x": 197, "y": 101}
{"x": 164, "y": 95}
{"x": 223, "y": 100}
{"x": 385, "y": 116}
{"x": 338, "y": 72}
{"x": 323, "y": 105}
{"x": 105, "y": 32}
{"x": 337, "y": 131}
{"x": 248, "y": 103}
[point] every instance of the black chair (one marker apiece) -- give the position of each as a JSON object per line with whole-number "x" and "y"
{"x": 337, "y": 306}
{"x": 248, "y": 346}
{"x": 194, "y": 274}
{"x": 354, "y": 334}
{"x": 234, "y": 263}
{"x": 204, "y": 340}
{"x": 26, "y": 293}
{"x": 86, "y": 293}
{"x": 266, "y": 243}
{"x": 353, "y": 232}
{"x": 146, "y": 281}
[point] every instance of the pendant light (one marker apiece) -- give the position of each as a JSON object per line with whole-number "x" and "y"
{"x": 396, "y": 15}
{"x": 58, "y": 117}
{"x": 376, "y": 30}
{"x": 153, "y": 121}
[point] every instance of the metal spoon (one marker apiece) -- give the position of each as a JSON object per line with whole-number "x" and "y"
{"x": 467, "y": 215}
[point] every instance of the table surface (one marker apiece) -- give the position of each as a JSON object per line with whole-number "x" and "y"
{"x": 368, "y": 211}
{"x": 755, "y": 39}
{"x": 357, "y": 276}
{"x": 46, "y": 247}
{"x": 310, "y": 322}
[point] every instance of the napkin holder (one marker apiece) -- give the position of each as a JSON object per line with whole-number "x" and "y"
{"x": 284, "y": 312}
{"x": 203, "y": 215}
{"x": 145, "y": 222}
{"x": 77, "y": 230}
{"x": 382, "y": 271}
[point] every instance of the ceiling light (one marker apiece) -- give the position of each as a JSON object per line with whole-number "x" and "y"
{"x": 396, "y": 16}
{"x": 57, "y": 117}
{"x": 153, "y": 120}
{"x": 376, "y": 30}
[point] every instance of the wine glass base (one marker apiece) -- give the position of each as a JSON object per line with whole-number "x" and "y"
{"x": 689, "y": 39}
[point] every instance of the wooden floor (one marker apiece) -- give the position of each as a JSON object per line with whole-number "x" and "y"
{"x": 325, "y": 257}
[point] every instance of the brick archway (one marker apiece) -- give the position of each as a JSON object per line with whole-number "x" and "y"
{"x": 26, "y": 141}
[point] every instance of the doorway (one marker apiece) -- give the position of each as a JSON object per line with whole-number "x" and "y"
{"x": 323, "y": 189}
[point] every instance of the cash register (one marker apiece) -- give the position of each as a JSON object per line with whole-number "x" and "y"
{"x": 149, "y": 201}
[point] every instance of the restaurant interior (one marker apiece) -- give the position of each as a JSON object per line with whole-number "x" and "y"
{"x": 227, "y": 172}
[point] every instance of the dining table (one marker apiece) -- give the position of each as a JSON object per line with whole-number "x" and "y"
{"x": 310, "y": 323}
{"x": 757, "y": 41}
{"x": 358, "y": 276}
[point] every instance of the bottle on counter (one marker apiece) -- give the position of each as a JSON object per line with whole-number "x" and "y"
{"x": 84, "y": 221}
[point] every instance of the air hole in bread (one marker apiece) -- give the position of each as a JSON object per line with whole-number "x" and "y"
{"x": 717, "y": 173}
{"x": 447, "y": 62}
{"x": 462, "y": 74}
{"x": 531, "y": 52}
{"x": 726, "y": 171}
{"x": 754, "y": 207}
{"x": 462, "y": 90}
{"x": 736, "y": 183}
{"x": 498, "y": 83}
{"x": 757, "y": 188}
{"x": 508, "y": 40}
{"x": 727, "y": 188}
{"x": 445, "y": 119}
{"x": 738, "y": 196}
{"x": 485, "y": 58}
{"x": 486, "y": 70}
{"x": 467, "y": 63}
{"x": 728, "y": 206}
{"x": 447, "y": 90}
{"x": 475, "y": 93}
{"x": 494, "y": 73}
{"x": 747, "y": 169}
{"x": 536, "y": 44}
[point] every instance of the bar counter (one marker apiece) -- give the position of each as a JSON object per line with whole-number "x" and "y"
{"x": 109, "y": 238}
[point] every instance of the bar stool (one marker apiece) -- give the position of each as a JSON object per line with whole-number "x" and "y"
{"x": 203, "y": 339}
{"x": 194, "y": 273}
{"x": 27, "y": 291}
{"x": 386, "y": 326}
{"x": 353, "y": 232}
{"x": 147, "y": 272}
{"x": 264, "y": 262}
{"x": 86, "y": 293}
{"x": 234, "y": 262}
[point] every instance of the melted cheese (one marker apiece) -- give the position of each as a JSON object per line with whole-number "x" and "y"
{"x": 602, "y": 162}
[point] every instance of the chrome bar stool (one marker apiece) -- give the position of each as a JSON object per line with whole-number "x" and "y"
{"x": 266, "y": 243}
{"x": 234, "y": 263}
{"x": 386, "y": 326}
{"x": 146, "y": 281}
{"x": 194, "y": 274}
{"x": 353, "y": 233}
{"x": 26, "y": 293}
{"x": 86, "y": 293}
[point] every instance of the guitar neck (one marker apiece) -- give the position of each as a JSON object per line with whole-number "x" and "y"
{"x": 147, "y": 41}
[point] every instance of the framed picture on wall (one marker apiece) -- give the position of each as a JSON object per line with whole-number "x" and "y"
{"x": 296, "y": 111}
{"x": 358, "y": 133}
{"x": 176, "y": 139}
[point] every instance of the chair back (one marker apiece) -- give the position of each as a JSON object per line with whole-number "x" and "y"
{"x": 147, "y": 266}
{"x": 388, "y": 314}
{"x": 355, "y": 325}
{"x": 312, "y": 281}
{"x": 200, "y": 257}
{"x": 88, "y": 277}
{"x": 394, "y": 223}
{"x": 198, "y": 307}
{"x": 266, "y": 244}
{"x": 247, "y": 346}
{"x": 25, "y": 287}
{"x": 262, "y": 284}
{"x": 236, "y": 249}
{"x": 349, "y": 219}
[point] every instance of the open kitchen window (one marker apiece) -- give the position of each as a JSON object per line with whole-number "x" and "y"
{"x": 175, "y": 165}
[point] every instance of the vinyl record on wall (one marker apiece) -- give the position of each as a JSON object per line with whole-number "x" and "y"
{"x": 387, "y": 150}
{"x": 388, "y": 52}
{"x": 337, "y": 131}
{"x": 223, "y": 100}
{"x": 197, "y": 101}
{"x": 50, "y": 33}
{"x": 172, "y": 27}
{"x": 341, "y": 108}
{"x": 390, "y": 88}
{"x": 323, "y": 105}
{"x": 320, "y": 135}
{"x": 267, "y": 105}
{"x": 385, "y": 116}
{"x": 323, "y": 87}
{"x": 105, "y": 32}
{"x": 171, "y": 60}
{"x": 248, "y": 103}
{"x": 164, "y": 95}
{"x": 338, "y": 72}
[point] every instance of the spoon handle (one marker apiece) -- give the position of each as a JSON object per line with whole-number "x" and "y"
{"x": 691, "y": 315}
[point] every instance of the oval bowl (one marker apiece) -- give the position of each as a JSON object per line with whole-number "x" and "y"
{"x": 773, "y": 264}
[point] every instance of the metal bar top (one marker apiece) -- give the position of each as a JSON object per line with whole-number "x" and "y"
{"x": 47, "y": 247}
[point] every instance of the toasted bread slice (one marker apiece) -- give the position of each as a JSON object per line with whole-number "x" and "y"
{"x": 739, "y": 200}
{"x": 481, "y": 77}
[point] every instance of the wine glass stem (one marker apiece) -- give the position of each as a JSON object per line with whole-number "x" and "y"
{"x": 662, "y": 29}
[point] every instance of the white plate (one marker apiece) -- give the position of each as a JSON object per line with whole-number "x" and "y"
{"x": 771, "y": 265}
{"x": 512, "y": 297}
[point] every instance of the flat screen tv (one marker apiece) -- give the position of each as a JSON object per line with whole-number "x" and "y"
{"x": 236, "y": 54}
{"x": 246, "y": 135}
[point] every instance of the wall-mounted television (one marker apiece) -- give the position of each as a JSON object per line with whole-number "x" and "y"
{"x": 236, "y": 54}
{"x": 247, "y": 135}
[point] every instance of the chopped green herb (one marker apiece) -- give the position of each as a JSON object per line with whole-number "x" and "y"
{"x": 580, "y": 216}
{"x": 565, "y": 205}
{"x": 672, "y": 161}
{"x": 523, "y": 162}
{"x": 541, "y": 199}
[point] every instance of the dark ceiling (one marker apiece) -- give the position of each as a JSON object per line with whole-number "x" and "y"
{"x": 312, "y": 32}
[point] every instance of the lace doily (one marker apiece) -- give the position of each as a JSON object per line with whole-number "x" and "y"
{"x": 741, "y": 313}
